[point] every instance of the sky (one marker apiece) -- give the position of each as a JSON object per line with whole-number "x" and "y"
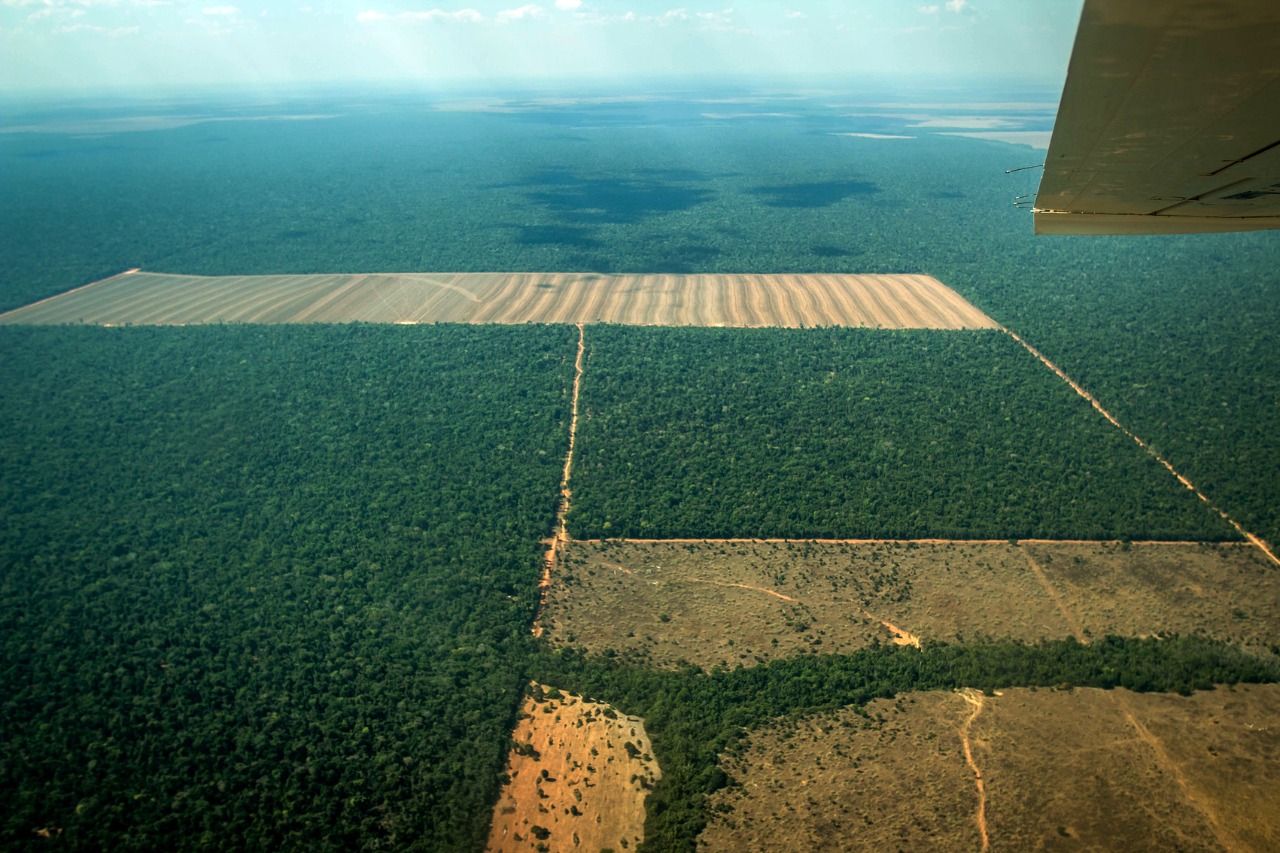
{"x": 79, "y": 46}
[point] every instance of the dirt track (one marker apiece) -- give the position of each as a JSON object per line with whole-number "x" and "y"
{"x": 974, "y": 698}
{"x": 1257, "y": 541}
{"x": 879, "y": 301}
{"x": 560, "y": 535}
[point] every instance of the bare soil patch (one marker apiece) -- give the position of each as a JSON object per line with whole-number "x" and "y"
{"x": 1062, "y": 770}
{"x": 880, "y": 301}
{"x": 725, "y": 603}
{"x": 578, "y": 775}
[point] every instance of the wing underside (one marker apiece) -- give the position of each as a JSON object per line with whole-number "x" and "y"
{"x": 1169, "y": 121}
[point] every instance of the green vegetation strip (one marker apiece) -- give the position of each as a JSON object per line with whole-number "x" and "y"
{"x": 852, "y": 433}
{"x": 694, "y": 717}
{"x": 269, "y": 588}
{"x": 1178, "y": 337}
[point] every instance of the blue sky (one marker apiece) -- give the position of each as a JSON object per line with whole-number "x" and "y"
{"x": 82, "y": 45}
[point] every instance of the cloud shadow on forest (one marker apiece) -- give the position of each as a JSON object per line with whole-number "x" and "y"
{"x": 689, "y": 258}
{"x": 624, "y": 199}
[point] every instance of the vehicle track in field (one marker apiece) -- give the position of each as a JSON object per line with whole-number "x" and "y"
{"x": 1166, "y": 763}
{"x": 976, "y": 700}
{"x": 1067, "y": 615}
{"x": 901, "y": 637}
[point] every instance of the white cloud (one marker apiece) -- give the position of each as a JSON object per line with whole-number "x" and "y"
{"x": 568, "y": 5}
{"x": 464, "y": 16}
{"x": 523, "y": 13}
{"x": 55, "y": 11}
{"x": 110, "y": 32}
{"x": 930, "y": 10}
{"x": 216, "y": 11}
{"x": 56, "y": 4}
{"x": 722, "y": 20}
{"x": 957, "y": 5}
{"x": 795, "y": 15}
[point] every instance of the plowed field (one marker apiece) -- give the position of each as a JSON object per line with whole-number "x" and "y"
{"x": 878, "y": 301}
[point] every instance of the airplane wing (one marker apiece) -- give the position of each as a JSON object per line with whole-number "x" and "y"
{"x": 1169, "y": 121}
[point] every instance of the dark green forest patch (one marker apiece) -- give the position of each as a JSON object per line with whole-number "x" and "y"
{"x": 847, "y": 433}
{"x": 269, "y": 587}
{"x": 1178, "y": 336}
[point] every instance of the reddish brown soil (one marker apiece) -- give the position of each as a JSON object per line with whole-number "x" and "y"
{"x": 578, "y": 778}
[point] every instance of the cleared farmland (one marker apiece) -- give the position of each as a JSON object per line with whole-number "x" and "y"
{"x": 877, "y": 301}
{"x": 748, "y": 602}
{"x": 577, "y": 777}
{"x": 1080, "y": 769}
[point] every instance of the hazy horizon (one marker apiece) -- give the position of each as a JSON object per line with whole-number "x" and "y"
{"x": 82, "y": 47}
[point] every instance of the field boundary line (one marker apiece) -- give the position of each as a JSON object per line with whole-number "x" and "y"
{"x": 560, "y": 535}
{"x": 814, "y": 541}
{"x": 4, "y": 314}
{"x": 1093, "y": 401}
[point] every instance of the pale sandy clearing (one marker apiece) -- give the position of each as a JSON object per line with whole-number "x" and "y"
{"x": 578, "y": 778}
{"x": 875, "y": 135}
{"x": 877, "y": 301}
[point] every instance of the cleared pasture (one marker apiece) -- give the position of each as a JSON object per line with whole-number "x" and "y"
{"x": 877, "y": 301}
{"x": 747, "y": 602}
{"x": 1061, "y": 770}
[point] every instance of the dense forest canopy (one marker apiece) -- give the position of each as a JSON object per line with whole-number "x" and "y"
{"x": 269, "y": 587}
{"x": 855, "y": 433}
